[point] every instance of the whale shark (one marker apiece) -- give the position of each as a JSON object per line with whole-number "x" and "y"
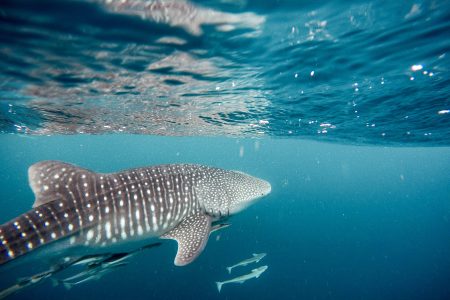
{"x": 75, "y": 207}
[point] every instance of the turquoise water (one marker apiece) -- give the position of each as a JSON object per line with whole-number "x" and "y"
{"x": 342, "y": 222}
{"x": 343, "y": 106}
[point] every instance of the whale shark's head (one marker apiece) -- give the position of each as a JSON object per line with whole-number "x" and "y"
{"x": 224, "y": 192}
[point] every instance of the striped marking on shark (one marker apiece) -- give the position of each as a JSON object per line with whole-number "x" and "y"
{"x": 175, "y": 201}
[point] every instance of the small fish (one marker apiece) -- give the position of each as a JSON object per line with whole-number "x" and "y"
{"x": 255, "y": 259}
{"x": 255, "y": 273}
{"x": 115, "y": 258}
{"x": 93, "y": 273}
{"x": 217, "y": 227}
{"x": 25, "y": 282}
{"x": 93, "y": 259}
{"x": 149, "y": 246}
{"x": 90, "y": 270}
{"x": 98, "y": 265}
{"x": 89, "y": 259}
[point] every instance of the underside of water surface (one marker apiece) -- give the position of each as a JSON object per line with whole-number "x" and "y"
{"x": 361, "y": 72}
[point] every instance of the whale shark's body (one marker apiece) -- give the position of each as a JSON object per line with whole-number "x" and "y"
{"x": 80, "y": 207}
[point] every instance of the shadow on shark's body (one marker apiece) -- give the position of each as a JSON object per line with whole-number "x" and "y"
{"x": 80, "y": 212}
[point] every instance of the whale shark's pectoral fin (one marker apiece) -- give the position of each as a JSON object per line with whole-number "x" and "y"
{"x": 191, "y": 234}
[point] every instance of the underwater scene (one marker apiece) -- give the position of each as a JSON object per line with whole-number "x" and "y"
{"x": 224, "y": 149}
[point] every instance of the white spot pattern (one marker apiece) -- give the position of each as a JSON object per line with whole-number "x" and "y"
{"x": 167, "y": 198}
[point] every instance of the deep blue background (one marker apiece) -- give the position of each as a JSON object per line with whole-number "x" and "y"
{"x": 342, "y": 222}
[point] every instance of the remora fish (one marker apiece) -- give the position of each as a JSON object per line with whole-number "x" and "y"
{"x": 255, "y": 259}
{"x": 88, "y": 260}
{"x": 80, "y": 207}
{"x": 255, "y": 273}
{"x": 101, "y": 258}
{"x": 94, "y": 273}
{"x": 97, "y": 266}
{"x": 24, "y": 283}
{"x": 115, "y": 258}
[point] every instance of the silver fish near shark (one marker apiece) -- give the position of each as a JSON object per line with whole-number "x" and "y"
{"x": 104, "y": 259}
{"x": 255, "y": 273}
{"x": 95, "y": 267}
{"x": 255, "y": 259}
{"x": 77, "y": 207}
{"x": 93, "y": 273}
{"x": 25, "y": 283}
{"x": 99, "y": 265}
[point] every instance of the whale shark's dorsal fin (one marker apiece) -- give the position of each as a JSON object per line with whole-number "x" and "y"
{"x": 191, "y": 234}
{"x": 51, "y": 180}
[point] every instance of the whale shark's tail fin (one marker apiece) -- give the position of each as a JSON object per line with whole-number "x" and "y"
{"x": 219, "y": 285}
{"x": 229, "y": 269}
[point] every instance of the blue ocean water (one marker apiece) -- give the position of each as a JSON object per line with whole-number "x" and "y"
{"x": 343, "y": 106}
{"x": 342, "y": 222}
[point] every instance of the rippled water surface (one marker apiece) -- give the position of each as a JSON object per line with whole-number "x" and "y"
{"x": 352, "y": 71}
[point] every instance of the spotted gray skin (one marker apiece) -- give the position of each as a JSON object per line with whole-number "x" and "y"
{"x": 177, "y": 201}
